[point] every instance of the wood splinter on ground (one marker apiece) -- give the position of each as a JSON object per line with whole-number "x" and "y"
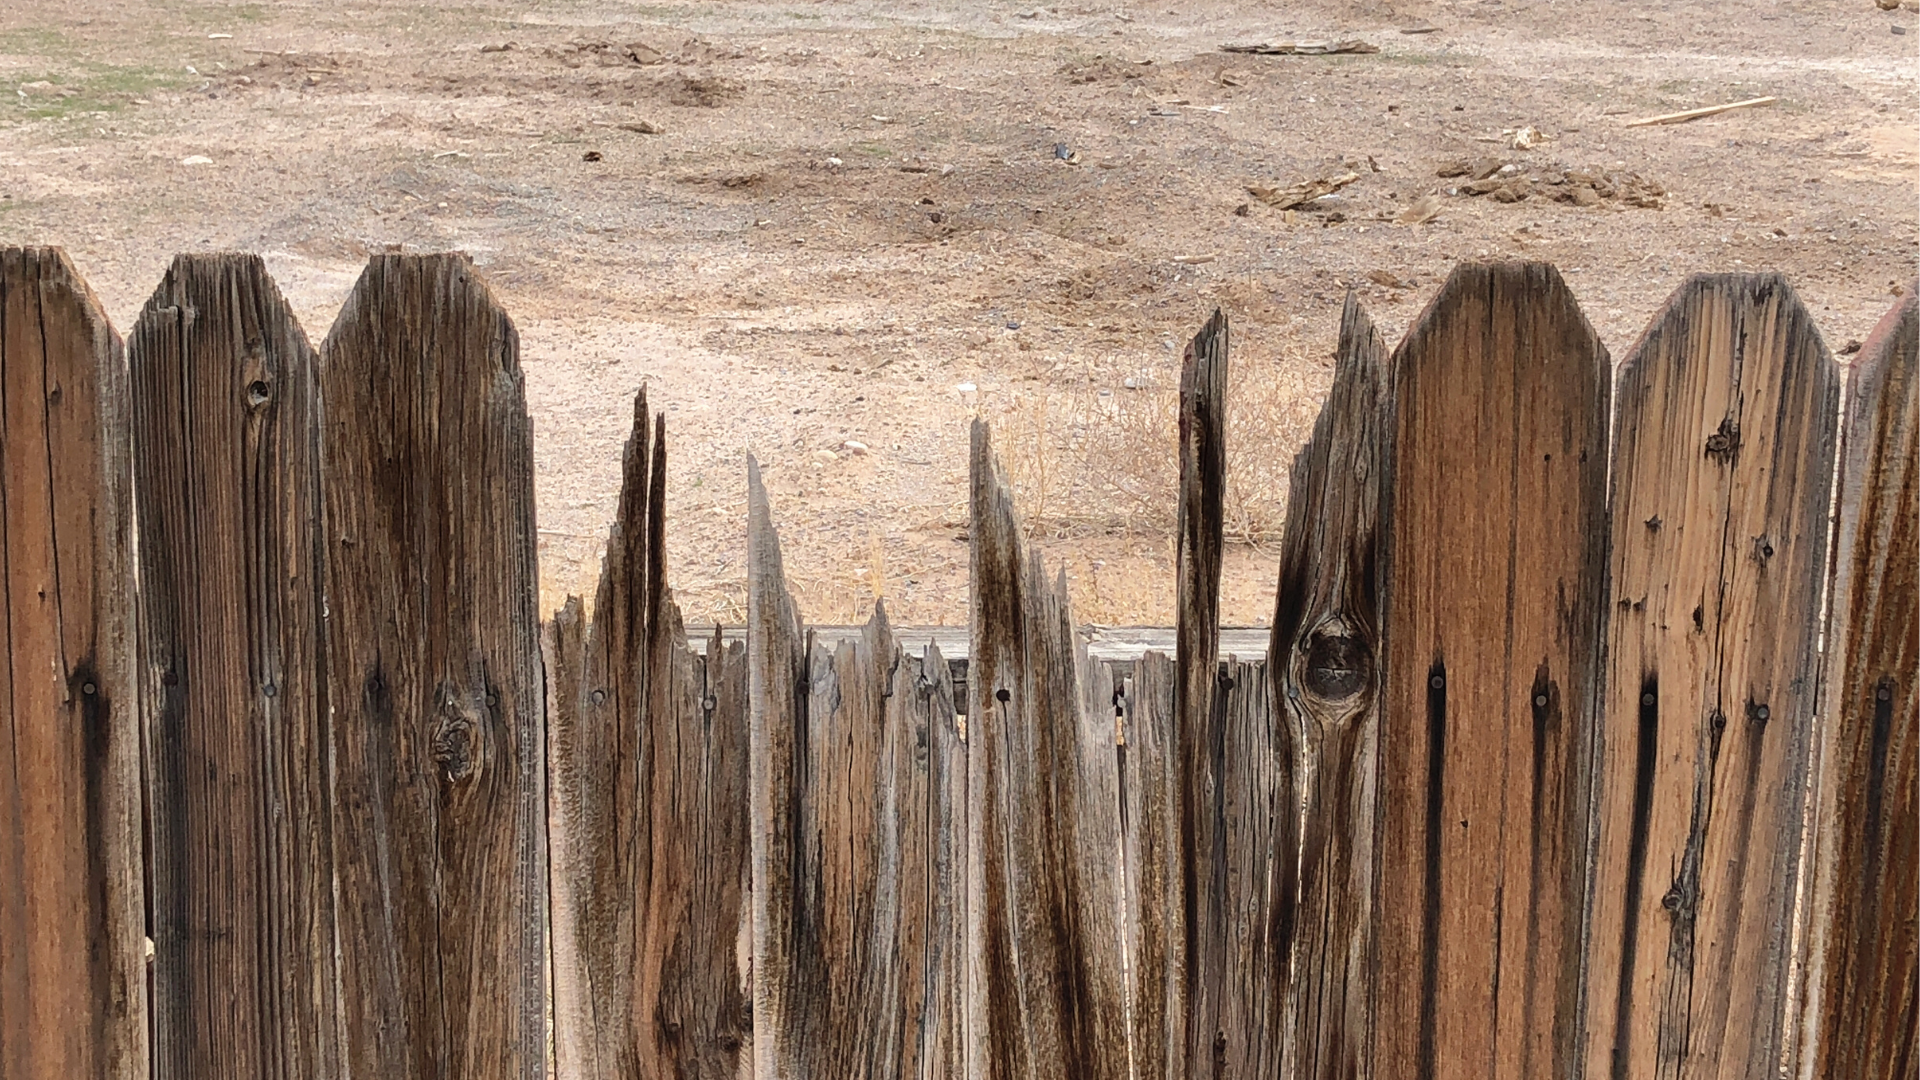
{"x": 1695, "y": 114}
{"x": 1300, "y": 194}
{"x": 1303, "y": 48}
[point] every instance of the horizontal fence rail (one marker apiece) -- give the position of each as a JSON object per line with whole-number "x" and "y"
{"x": 1583, "y": 740}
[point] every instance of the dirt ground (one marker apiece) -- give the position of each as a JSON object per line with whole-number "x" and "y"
{"x": 869, "y": 221}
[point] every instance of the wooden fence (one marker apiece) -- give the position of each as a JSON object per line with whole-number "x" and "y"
{"x": 1583, "y": 742}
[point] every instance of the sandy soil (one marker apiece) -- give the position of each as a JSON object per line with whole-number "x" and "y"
{"x": 855, "y": 223}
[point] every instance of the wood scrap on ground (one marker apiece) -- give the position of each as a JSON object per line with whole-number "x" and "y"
{"x": 1304, "y": 192}
{"x": 1303, "y": 48}
{"x": 1695, "y": 114}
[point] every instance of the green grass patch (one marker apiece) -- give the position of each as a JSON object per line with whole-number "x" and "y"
{"x": 88, "y": 88}
{"x": 873, "y": 149}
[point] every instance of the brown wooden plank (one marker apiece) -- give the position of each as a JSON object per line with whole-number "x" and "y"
{"x": 1047, "y": 996}
{"x": 434, "y": 678}
{"x": 1722, "y": 469}
{"x": 647, "y": 815}
{"x": 1197, "y": 939}
{"x": 865, "y": 975}
{"x": 1497, "y": 558}
{"x": 1862, "y": 1010}
{"x": 778, "y": 681}
{"x": 1155, "y": 877}
{"x": 226, "y": 471}
{"x": 1325, "y": 663}
{"x": 72, "y": 955}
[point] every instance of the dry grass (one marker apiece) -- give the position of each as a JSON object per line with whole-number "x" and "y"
{"x": 1090, "y": 461}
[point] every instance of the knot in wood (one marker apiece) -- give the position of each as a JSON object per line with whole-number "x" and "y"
{"x": 1339, "y": 665}
{"x": 453, "y": 744}
{"x": 1724, "y": 445}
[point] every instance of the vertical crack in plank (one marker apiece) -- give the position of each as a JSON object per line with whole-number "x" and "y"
{"x": 1862, "y": 1013}
{"x": 1324, "y": 662}
{"x": 648, "y": 814}
{"x": 1046, "y": 989}
{"x": 1196, "y": 1007}
{"x": 1497, "y": 559}
{"x": 73, "y": 999}
{"x": 1722, "y": 465}
{"x": 226, "y": 470}
{"x": 434, "y": 677}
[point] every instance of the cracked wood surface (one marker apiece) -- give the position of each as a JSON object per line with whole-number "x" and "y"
{"x": 1045, "y": 989}
{"x": 434, "y": 678}
{"x": 227, "y": 475}
{"x": 1498, "y": 554}
{"x": 1324, "y": 730}
{"x": 72, "y": 964}
{"x": 859, "y": 788}
{"x": 1722, "y": 464}
{"x": 1863, "y": 1011}
{"x": 647, "y": 813}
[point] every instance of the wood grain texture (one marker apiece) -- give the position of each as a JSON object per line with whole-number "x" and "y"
{"x": 1497, "y": 558}
{"x": 1154, "y": 925}
{"x": 647, "y": 815}
{"x": 1862, "y": 1013}
{"x": 1722, "y": 464}
{"x": 1046, "y": 996}
{"x": 778, "y": 681}
{"x": 867, "y": 891}
{"x": 1196, "y": 1005}
{"x": 434, "y": 678}
{"x": 1324, "y": 661}
{"x": 72, "y": 956}
{"x": 227, "y": 475}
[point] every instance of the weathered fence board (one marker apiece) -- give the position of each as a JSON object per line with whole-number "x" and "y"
{"x": 1324, "y": 661}
{"x": 227, "y": 475}
{"x": 72, "y": 962}
{"x": 647, "y": 814}
{"x": 1197, "y": 1003}
{"x": 859, "y": 767}
{"x": 1867, "y": 888}
{"x": 1046, "y": 996}
{"x": 434, "y": 678}
{"x": 1722, "y": 470}
{"x": 1498, "y": 554}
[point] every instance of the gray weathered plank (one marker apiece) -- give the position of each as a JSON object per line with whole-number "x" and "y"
{"x": 863, "y": 980}
{"x": 227, "y": 476}
{"x": 778, "y": 680}
{"x": 647, "y": 815}
{"x": 434, "y": 678}
{"x": 1863, "y": 1012}
{"x": 72, "y": 960}
{"x": 1046, "y": 996}
{"x": 1198, "y": 935}
{"x": 1325, "y": 663}
{"x": 1494, "y": 604}
{"x": 1722, "y": 469}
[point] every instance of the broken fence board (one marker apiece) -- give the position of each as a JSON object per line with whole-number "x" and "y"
{"x": 1324, "y": 730}
{"x": 1862, "y": 1013}
{"x": 72, "y": 962}
{"x": 434, "y": 678}
{"x": 860, "y": 874}
{"x": 1498, "y": 555}
{"x": 647, "y": 814}
{"x": 1046, "y": 996}
{"x": 1199, "y": 933}
{"x": 227, "y": 475}
{"x": 1722, "y": 470}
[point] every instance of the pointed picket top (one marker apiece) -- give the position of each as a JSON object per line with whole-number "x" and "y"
{"x": 433, "y": 661}
{"x": 73, "y": 996}
{"x": 227, "y": 476}
{"x": 1722, "y": 466}
{"x": 1496, "y": 560}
